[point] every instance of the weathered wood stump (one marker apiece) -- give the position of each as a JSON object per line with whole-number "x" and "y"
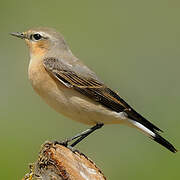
{"x": 57, "y": 162}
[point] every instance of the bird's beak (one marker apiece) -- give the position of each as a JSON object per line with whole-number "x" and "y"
{"x": 19, "y": 35}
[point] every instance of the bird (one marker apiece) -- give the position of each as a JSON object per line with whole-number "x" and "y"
{"x": 71, "y": 88}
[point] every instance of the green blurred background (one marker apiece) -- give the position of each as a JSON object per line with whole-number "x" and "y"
{"x": 134, "y": 46}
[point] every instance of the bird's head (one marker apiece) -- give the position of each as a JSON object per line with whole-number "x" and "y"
{"x": 42, "y": 40}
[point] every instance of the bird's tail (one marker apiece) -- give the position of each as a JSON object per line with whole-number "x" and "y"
{"x": 153, "y": 135}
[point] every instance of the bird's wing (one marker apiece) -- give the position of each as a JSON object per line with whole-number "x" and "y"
{"x": 94, "y": 89}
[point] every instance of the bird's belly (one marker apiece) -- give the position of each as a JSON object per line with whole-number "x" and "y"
{"x": 69, "y": 102}
{"x": 77, "y": 107}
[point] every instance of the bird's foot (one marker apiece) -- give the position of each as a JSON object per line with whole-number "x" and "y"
{"x": 79, "y": 137}
{"x": 65, "y": 143}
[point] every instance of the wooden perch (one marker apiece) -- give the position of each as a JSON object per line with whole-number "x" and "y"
{"x": 57, "y": 162}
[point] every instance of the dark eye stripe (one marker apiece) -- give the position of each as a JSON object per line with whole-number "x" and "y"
{"x": 31, "y": 37}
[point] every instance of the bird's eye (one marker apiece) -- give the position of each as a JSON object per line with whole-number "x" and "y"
{"x": 36, "y": 37}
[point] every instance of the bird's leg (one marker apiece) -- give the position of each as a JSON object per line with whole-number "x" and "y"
{"x": 80, "y": 136}
{"x": 85, "y": 133}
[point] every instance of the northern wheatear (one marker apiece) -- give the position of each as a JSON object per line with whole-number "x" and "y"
{"x": 72, "y": 89}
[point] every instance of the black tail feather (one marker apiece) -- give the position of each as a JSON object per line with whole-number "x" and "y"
{"x": 137, "y": 117}
{"x": 164, "y": 143}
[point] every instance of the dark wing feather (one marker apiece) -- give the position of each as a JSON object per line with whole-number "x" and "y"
{"x": 94, "y": 89}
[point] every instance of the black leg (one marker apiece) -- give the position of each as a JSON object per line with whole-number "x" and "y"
{"x": 85, "y": 133}
{"x": 80, "y": 136}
